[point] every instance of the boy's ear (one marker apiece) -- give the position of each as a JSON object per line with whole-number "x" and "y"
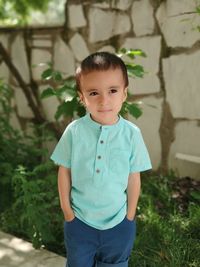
{"x": 125, "y": 93}
{"x": 81, "y": 97}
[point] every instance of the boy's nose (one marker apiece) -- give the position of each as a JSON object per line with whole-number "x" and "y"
{"x": 103, "y": 100}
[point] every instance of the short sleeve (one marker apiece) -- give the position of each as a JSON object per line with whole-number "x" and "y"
{"x": 140, "y": 160}
{"x": 63, "y": 150}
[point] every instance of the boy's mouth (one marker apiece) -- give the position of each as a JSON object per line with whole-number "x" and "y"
{"x": 105, "y": 110}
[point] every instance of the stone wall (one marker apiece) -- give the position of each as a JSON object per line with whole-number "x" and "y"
{"x": 169, "y": 93}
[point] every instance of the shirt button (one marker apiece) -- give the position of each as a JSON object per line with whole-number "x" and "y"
{"x": 101, "y": 141}
{"x": 99, "y": 157}
{"x": 98, "y": 171}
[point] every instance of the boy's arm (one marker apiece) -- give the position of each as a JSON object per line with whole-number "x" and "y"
{"x": 133, "y": 192}
{"x": 64, "y": 189}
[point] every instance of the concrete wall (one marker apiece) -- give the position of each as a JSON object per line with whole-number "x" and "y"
{"x": 169, "y": 93}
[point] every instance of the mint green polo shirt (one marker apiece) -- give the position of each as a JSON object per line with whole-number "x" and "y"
{"x": 101, "y": 157}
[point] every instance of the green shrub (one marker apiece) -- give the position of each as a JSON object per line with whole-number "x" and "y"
{"x": 165, "y": 236}
{"x": 28, "y": 190}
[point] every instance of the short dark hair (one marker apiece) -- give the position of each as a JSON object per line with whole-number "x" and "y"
{"x": 100, "y": 61}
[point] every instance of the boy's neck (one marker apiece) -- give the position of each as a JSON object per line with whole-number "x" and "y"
{"x": 112, "y": 123}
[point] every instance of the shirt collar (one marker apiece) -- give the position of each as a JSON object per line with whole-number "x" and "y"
{"x": 98, "y": 126}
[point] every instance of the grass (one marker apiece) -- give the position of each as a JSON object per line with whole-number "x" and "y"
{"x": 167, "y": 223}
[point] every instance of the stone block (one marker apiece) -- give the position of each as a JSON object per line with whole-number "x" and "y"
{"x": 76, "y": 16}
{"x": 177, "y": 27}
{"x": 107, "y": 48}
{"x": 4, "y": 72}
{"x": 23, "y": 108}
{"x": 42, "y": 43}
{"x": 121, "y": 24}
{"x": 142, "y": 17}
{"x": 147, "y": 85}
{"x": 151, "y": 46}
{"x": 101, "y": 5}
{"x": 4, "y": 40}
{"x": 19, "y": 57}
{"x": 39, "y": 56}
{"x": 149, "y": 124}
{"x": 104, "y": 25}
{"x": 79, "y": 47}
{"x": 63, "y": 58}
{"x": 121, "y": 4}
{"x": 187, "y": 141}
{"x": 182, "y": 79}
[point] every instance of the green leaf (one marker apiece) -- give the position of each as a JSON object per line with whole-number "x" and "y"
{"x": 47, "y": 93}
{"x": 67, "y": 88}
{"x": 134, "y": 110}
{"x": 61, "y": 90}
{"x": 135, "y": 70}
{"x": 81, "y": 110}
{"x": 69, "y": 95}
{"x": 57, "y": 76}
{"x": 47, "y": 74}
{"x": 132, "y": 52}
{"x": 195, "y": 195}
{"x": 123, "y": 50}
{"x": 135, "y": 52}
{"x": 66, "y": 108}
{"x": 70, "y": 82}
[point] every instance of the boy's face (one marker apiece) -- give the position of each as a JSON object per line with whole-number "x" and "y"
{"x": 103, "y": 93}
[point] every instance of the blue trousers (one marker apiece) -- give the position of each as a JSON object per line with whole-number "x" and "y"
{"x": 90, "y": 247}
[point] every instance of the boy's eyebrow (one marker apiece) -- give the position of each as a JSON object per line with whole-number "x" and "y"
{"x": 93, "y": 89}
{"x": 116, "y": 87}
{"x": 90, "y": 90}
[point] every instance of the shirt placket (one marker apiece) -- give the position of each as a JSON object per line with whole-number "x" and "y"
{"x": 100, "y": 155}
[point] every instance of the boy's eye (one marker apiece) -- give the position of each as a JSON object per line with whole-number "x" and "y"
{"x": 113, "y": 91}
{"x": 93, "y": 93}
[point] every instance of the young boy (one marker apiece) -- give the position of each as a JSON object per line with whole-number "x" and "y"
{"x": 100, "y": 157}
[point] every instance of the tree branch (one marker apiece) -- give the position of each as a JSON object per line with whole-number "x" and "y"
{"x": 5, "y": 56}
{"x": 39, "y": 118}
